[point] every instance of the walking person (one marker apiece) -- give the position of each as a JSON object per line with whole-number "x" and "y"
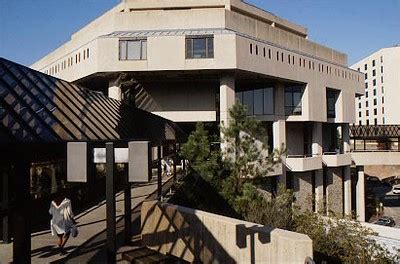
{"x": 62, "y": 222}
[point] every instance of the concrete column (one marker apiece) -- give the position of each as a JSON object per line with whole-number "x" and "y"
{"x": 115, "y": 92}
{"x": 302, "y": 187}
{"x": 226, "y": 101}
{"x": 360, "y": 194}
{"x": 347, "y": 190}
{"x": 319, "y": 191}
{"x": 279, "y": 141}
{"x": 317, "y": 139}
{"x": 346, "y": 137}
{"x": 334, "y": 190}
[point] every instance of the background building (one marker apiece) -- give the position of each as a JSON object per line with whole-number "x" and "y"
{"x": 192, "y": 59}
{"x": 380, "y": 103}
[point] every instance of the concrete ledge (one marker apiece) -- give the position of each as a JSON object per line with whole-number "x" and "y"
{"x": 337, "y": 160}
{"x": 375, "y": 158}
{"x": 300, "y": 164}
{"x": 202, "y": 237}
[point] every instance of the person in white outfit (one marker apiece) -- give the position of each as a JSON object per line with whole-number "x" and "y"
{"x": 62, "y": 220}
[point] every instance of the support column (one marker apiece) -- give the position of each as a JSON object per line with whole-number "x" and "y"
{"x": 128, "y": 210}
{"x": 302, "y": 187}
{"x": 114, "y": 90}
{"x": 319, "y": 191}
{"x": 5, "y": 205}
{"x": 22, "y": 215}
{"x": 346, "y": 138}
{"x": 347, "y": 190}
{"x": 110, "y": 204}
{"x": 279, "y": 141}
{"x": 226, "y": 101}
{"x": 317, "y": 139}
{"x": 360, "y": 194}
{"x": 334, "y": 190}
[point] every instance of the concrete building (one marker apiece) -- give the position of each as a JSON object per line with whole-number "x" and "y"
{"x": 379, "y": 105}
{"x": 192, "y": 59}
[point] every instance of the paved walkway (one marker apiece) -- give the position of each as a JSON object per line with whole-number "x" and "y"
{"x": 88, "y": 247}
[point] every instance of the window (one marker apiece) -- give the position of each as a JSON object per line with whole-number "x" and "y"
{"x": 383, "y": 100}
{"x": 87, "y": 53}
{"x": 381, "y": 69}
{"x": 202, "y": 47}
{"x": 374, "y": 92}
{"x": 366, "y": 85}
{"x": 381, "y": 59}
{"x": 373, "y": 72}
{"x": 383, "y": 120}
{"x": 293, "y": 96}
{"x": 375, "y": 111}
{"x": 375, "y": 101}
{"x": 269, "y": 53}
{"x": 383, "y": 89}
{"x": 358, "y": 69}
{"x": 375, "y": 121}
{"x": 373, "y": 63}
{"x": 359, "y": 114}
{"x": 251, "y": 48}
{"x": 367, "y": 122}
{"x": 366, "y": 76}
{"x": 257, "y": 102}
{"x": 381, "y": 79}
{"x": 265, "y": 53}
{"x": 359, "y": 105}
{"x": 277, "y": 55}
{"x": 366, "y": 94}
{"x": 366, "y": 103}
{"x": 331, "y": 98}
{"x": 365, "y": 67}
{"x": 383, "y": 110}
{"x": 374, "y": 82}
{"x": 132, "y": 49}
{"x": 256, "y": 49}
{"x": 367, "y": 113}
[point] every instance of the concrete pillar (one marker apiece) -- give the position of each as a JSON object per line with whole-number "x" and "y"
{"x": 346, "y": 138}
{"x": 302, "y": 187}
{"x": 319, "y": 191}
{"x": 115, "y": 92}
{"x": 334, "y": 190}
{"x": 360, "y": 194}
{"x": 279, "y": 141}
{"x": 347, "y": 191}
{"x": 317, "y": 139}
{"x": 226, "y": 101}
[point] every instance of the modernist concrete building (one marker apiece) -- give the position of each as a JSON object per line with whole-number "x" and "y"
{"x": 379, "y": 105}
{"x": 194, "y": 58}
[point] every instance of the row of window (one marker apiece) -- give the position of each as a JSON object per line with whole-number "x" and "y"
{"x": 373, "y": 65}
{"x": 197, "y": 47}
{"x": 302, "y": 62}
{"x": 375, "y": 112}
{"x": 367, "y": 102}
{"x": 375, "y": 121}
{"x": 68, "y": 62}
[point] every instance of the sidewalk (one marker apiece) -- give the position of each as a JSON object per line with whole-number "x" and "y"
{"x": 88, "y": 247}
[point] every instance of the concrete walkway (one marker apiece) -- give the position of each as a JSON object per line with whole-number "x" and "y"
{"x": 88, "y": 247}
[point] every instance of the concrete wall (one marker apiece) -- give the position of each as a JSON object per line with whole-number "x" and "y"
{"x": 334, "y": 190}
{"x": 197, "y": 236}
{"x": 382, "y": 171}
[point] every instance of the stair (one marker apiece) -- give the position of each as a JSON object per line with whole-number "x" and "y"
{"x": 147, "y": 256}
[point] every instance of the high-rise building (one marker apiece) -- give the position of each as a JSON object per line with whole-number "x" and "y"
{"x": 193, "y": 58}
{"x": 380, "y": 103}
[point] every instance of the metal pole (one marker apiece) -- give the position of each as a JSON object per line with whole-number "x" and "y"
{"x": 110, "y": 205}
{"x": 22, "y": 216}
{"x": 159, "y": 173}
{"x": 5, "y": 205}
{"x": 128, "y": 213}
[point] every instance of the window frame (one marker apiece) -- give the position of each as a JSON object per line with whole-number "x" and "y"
{"x": 207, "y": 51}
{"x": 290, "y": 109}
{"x": 140, "y": 40}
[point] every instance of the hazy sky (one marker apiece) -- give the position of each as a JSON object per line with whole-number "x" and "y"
{"x": 29, "y": 29}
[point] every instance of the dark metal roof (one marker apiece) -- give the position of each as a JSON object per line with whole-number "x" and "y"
{"x": 35, "y": 107}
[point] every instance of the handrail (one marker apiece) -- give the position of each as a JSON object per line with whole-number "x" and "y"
{"x": 302, "y": 156}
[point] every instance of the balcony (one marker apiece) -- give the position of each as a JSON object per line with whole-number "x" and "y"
{"x": 300, "y": 163}
{"x": 277, "y": 170}
{"x": 334, "y": 159}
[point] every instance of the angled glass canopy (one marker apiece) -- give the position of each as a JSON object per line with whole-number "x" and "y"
{"x": 35, "y": 107}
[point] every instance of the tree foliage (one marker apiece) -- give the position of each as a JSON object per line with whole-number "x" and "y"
{"x": 238, "y": 175}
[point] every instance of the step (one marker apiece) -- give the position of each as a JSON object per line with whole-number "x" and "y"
{"x": 147, "y": 256}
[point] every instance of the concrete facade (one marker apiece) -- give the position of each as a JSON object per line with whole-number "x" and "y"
{"x": 200, "y": 237}
{"x": 379, "y": 105}
{"x": 245, "y": 53}
{"x": 334, "y": 190}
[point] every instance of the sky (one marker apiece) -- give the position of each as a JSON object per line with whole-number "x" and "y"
{"x": 30, "y": 29}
